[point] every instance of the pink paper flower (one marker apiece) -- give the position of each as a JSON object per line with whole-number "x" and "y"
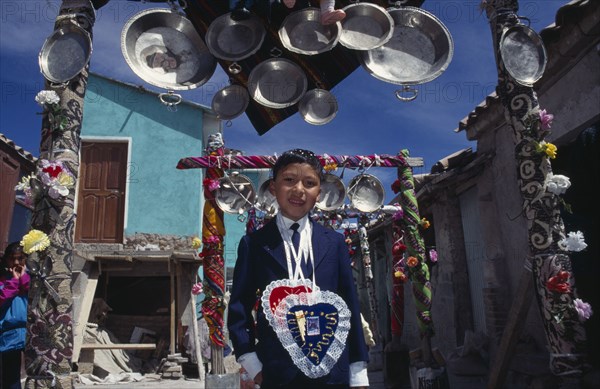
{"x": 197, "y": 288}
{"x": 433, "y": 256}
{"x": 584, "y": 310}
{"x": 546, "y": 119}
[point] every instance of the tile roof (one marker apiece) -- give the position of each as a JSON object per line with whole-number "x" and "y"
{"x": 21, "y": 151}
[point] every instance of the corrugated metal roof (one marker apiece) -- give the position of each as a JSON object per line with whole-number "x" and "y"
{"x": 571, "y": 14}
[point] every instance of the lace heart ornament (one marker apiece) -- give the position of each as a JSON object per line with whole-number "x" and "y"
{"x": 313, "y": 328}
{"x": 277, "y": 290}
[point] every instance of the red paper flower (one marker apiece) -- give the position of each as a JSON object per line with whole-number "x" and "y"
{"x": 396, "y": 186}
{"x": 52, "y": 170}
{"x": 398, "y": 249}
{"x": 559, "y": 283}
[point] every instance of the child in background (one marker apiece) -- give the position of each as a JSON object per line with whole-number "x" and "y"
{"x": 14, "y": 287}
{"x": 329, "y": 15}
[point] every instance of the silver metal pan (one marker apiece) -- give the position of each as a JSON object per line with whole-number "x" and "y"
{"x": 230, "y": 102}
{"x": 265, "y": 201}
{"x": 302, "y": 32}
{"x": 65, "y": 53}
{"x": 235, "y": 194}
{"x": 366, "y": 26}
{"x": 234, "y": 40}
{"x": 333, "y": 193}
{"x": 420, "y": 49}
{"x": 523, "y": 54}
{"x": 318, "y": 107}
{"x": 366, "y": 193}
{"x": 163, "y": 48}
{"x": 277, "y": 83}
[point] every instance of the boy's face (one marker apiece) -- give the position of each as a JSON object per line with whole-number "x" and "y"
{"x": 17, "y": 259}
{"x": 296, "y": 189}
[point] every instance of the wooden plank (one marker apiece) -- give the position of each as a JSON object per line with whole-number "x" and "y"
{"x": 196, "y": 335}
{"x": 84, "y": 312}
{"x": 120, "y": 346}
{"x": 512, "y": 331}
{"x": 172, "y": 324}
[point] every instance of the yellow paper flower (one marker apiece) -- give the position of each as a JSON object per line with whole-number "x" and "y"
{"x": 65, "y": 179}
{"x": 35, "y": 240}
{"x": 196, "y": 243}
{"x": 330, "y": 167}
{"x": 425, "y": 223}
{"x": 550, "y": 150}
{"x": 399, "y": 274}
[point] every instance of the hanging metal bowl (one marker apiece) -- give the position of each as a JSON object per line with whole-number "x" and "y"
{"x": 366, "y": 193}
{"x": 235, "y": 194}
{"x": 65, "y": 53}
{"x": 163, "y": 48}
{"x": 523, "y": 54}
{"x": 277, "y": 83}
{"x": 265, "y": 201}
{"x": 333, "y": 193}
{"x": 420, "y": 49}
{"x": 366, "y": 26}
{"x": 230, "y": 102}
{"x": 234, "y": 40}
{"x": 303, "y": 33}
{"x": 318, "y": 107}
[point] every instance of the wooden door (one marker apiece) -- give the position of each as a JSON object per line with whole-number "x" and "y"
{"x": 9, "y": 177}
{"x": 101, "y": 200}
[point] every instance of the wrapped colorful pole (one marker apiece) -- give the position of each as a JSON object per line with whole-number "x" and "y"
{"x": 366, "y": 259}
{"x": 213, "y": 231}
{"x": 547, "y": 260}
{"x": 418, "y": 271}
{"x": 49, "y": 341}
{"x": 398, "y": 279}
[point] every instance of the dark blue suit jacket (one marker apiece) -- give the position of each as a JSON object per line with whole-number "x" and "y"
{"x": 261, "y": 259}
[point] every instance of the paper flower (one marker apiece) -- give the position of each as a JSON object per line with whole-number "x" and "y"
{"x": 425, "y": 223}
{"x": 49, "y": 97}
{"x": 211, "y": 184}
{"x": 196, "y": 243}
{"x": 584, "y": 310}
{"x": 35, "y": 240}
{"x": 574, "y": 241}
{"x": 213, "y": 239}
{"x": 398, "y": 249}
{"x": 400, "y": 274}
{"x": 56, "y": 177}
{"x": 396, "y": 186}
{"x": 412, "y": 261}
{"x": 545, "y": 119}
{"x": 330, "y": 166}
{"x": 557, "y": 184}
{"x": 433, "y": 256}
{"x": 398, "y": 215}
{"x": 547, "y": 148}
{"x": 559, "y": 283}
{"x": 197, "y": 288}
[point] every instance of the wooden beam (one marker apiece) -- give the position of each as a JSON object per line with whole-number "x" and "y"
{"x": 172, "y": 326}
{"x": 120, "y": 346}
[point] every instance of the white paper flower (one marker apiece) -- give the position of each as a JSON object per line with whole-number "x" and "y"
{"x": 557, "y": 184}
{"x": 24, "y": 185}
{"x": 47, "y": 97}
{"x": 574, "y": 241}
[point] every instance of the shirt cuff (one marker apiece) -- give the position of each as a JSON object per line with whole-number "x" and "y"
{"x": 251, "y": 364}
{"x": 358, "y": 374}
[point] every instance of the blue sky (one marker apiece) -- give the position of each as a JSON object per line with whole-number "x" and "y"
{"x": 370, "y": 119}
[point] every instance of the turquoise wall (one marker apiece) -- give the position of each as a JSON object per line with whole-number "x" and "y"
{"x": 161, "y": 199}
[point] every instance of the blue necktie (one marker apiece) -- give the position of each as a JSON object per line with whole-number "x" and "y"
{"x": 295, "y": 236}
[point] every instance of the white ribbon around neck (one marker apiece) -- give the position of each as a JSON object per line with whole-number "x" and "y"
{"x": 290, "y": 252}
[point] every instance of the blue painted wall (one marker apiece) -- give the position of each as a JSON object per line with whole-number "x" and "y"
{"x": 161, "y": 199}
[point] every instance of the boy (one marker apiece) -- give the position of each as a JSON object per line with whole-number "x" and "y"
{"x": 263, "y": 257}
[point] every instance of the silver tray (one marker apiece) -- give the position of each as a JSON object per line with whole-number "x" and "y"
{"x": 235, "y": 194}
{"x": 234, "y": 40}
{"x": 163, "y": 48}
{"x": 65, "y": 53}
{"x": 333, "y": 193}
{"x": 523, "y": 54}
{"x": 230, "y": 102}
{"x": 302, "y": 32}
{"x": 420, "y": 50}
{"x": 265, "y": 201}
{"x": 318, "y": 107}
{"x": 366, "y": 26}
{"x": 277, "y": 83}
{"x": 366, "y": 193}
